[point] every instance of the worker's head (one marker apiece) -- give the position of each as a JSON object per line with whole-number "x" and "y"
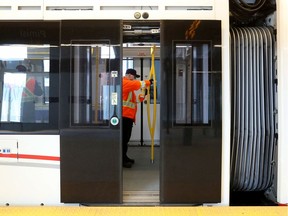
{"x": 21, "y": 68}
{"x": 131, "y": 74}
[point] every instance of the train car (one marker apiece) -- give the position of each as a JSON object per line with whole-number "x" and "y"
{"x": 212, "y": 126}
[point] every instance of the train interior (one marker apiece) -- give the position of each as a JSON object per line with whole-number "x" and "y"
{"x": 141, "y": 183}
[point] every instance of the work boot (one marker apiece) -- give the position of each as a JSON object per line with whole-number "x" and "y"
{"x": 127, "y": 164}
{"x": 127, "y": 159}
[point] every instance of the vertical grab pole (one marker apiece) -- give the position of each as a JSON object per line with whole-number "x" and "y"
{"x": 96, "y": 108}
{"x": 152, "y": 127}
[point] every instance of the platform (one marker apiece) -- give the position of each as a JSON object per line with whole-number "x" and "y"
{"x": 142, "y": 211}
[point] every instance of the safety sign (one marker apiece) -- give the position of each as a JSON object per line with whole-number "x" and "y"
{"x": 114, "y": 98}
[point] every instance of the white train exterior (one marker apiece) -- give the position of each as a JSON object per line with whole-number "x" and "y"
{"x": 30, "y": 164}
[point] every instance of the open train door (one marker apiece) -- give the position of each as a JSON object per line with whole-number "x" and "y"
{"x": 190, "y": 112}
{"x": 90, "y": 112}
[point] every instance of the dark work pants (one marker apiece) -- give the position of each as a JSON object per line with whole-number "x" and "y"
{"x": 126, "y": 135}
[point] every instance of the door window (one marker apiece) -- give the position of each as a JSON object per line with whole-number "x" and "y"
{"x": 192, "y": 77}
{"x": 93, "y": 89}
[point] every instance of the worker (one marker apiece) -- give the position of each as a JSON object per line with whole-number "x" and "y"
{"x": 31, "y": 91}
{"x": 129, "y": 109}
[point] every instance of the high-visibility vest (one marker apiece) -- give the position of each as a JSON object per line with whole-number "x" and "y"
{"x": 129, "y": 102}
{"x": 28, "y": 92}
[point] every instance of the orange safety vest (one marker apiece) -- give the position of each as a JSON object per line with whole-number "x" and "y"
{"x": 129, "y": 102}
{"x": 28, "y": 91}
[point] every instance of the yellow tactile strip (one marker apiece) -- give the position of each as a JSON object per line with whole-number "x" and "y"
{"x": 144, "y": 211}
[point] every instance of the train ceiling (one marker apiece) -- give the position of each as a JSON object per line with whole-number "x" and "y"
{"x": 141, "y": 32}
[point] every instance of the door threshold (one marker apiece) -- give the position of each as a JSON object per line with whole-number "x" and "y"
{"x": 141, "y": 197}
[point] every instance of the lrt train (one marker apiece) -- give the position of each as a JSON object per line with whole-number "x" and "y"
{"x": 217, "y": 102}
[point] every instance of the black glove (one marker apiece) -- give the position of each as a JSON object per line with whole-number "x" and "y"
{"x": 151, "y": 82}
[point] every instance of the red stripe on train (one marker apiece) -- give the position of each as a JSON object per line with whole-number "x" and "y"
{"x": 8, "y": 155}
{"x": 34, "y": 157}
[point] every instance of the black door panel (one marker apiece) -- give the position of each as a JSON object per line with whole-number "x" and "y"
{"x": 191, "y": 112}
{"x": 90, "y": 96}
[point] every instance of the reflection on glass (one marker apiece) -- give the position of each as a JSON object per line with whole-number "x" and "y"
{"x": 13, "y": 53}
{"x": 192, "y": 81}
{"x": 93, "y": 85}
{"x": 23, "y": 84}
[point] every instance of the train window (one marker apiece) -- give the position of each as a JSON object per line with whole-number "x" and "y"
{"x": 127, "y": 63}
{"x": 192, "y": 81}
{"x": 93, "y": 85}
{"x": 24, "y": 91}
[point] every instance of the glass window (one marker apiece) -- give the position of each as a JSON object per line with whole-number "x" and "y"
{"x": 24, "y": 71}
{"x": 127, "y": 63}
{"x": 192, "y": 76}
{"x": 94, "y": 89}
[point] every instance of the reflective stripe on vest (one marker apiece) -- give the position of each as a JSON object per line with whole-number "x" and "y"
{"x": 143, "y": 84}
{"x": 128, "y": 102}
{"x": 28, "y": 91}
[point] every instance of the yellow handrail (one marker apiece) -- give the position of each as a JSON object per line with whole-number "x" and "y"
{"x": 152, "y": 75}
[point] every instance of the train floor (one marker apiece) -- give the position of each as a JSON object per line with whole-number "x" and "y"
{"x": 141, "y": 182}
